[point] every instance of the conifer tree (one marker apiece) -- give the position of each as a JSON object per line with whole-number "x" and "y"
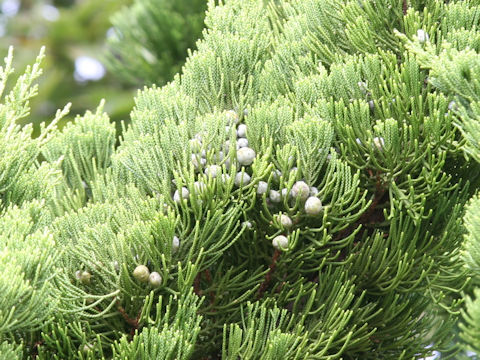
{"x": 151, "y": 39}
{"x": 453, "y": 66}
{"x": 296, "y": 192}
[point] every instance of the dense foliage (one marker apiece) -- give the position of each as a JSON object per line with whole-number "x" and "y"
{"x": 71, "y": 31}
{"x": 152, "y": 37}
{"x": 297, "y": 192}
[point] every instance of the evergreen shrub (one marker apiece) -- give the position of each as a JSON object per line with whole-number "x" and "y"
{"x": 296, "y": 192}
{"x": 151, "y": 39}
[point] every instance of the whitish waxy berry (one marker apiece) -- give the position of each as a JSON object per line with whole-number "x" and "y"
{"x": 285, "y": 221}
{"x": 83, "y": 276}
{"x": 166, "y": 208}
{"x": 245, "y": 156}
{"x": 242, "y": 131}
{"x": 247, "y": 224}
{"x": 225, "y": 178}
{"x": 116, "y": 265}
{"x": 213, "y": 170}
{"x": 185, "y": 194}
{"x": 242, "y": 142}
{"x": 242, "y": 178}
{"x": 313, "y": 206}
{"x": 199, "y": 186}
{"x": 280, "y": 242}
{"x": 358, "y": 141}
{"x": 175, "y": 243}
{"x": 232, "y": 117}
{"x": 155, "y": 279}
{"x": 363, "y": 86}
{"x": 218, "y": 157}
{"x": 195, "y": 145}
{"x": 226, "y": 146}
{"x": 313, "y": 191}
{"x": 141, "y": 273}
{"x": 275, "y": 196}
{"x": 371, "y": 104}
{"x": 422, "y": 36}
{"x": 198, "y": 162}
{"x": 277, "y": 174}
{"x": 452, "y": 105}
{"x": 379, "y": 142}
{"x": 86, "y": 348}
{"x": 262, "y": 187}
{"x": 285, "y": 193}
{"x": 195, "y": 161}
{"x": 300, "y": 190}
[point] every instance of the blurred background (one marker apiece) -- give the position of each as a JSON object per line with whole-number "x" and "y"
{"x": 98, "y": 49}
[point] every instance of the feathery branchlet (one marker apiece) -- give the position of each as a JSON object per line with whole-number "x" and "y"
{"x": 347, "y": 200}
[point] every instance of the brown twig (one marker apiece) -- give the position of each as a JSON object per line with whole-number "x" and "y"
{"x": 374, "y": 340}
{"x": 196, "y": 285}
{"x": 379, "y": 192}
{"x": 366, "y": 217}
{"x": 405, "y": 7}
{"x": 268, "y": 275}
{"x": 35, "y": 348}
{"x": 208, "y": 277}
{"x": 132, "y": 322}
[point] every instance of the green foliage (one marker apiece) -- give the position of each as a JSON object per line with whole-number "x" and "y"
{"x": 453, "y": 69}
{"x": 83, "y": 149}
{"x": 171, "y": 335}
{"x": 472, "y": 241}
{"x": 471, "y": 254}
{"x": 28, "y": 253}
{"x": 407, "y": 124}
{"x": 297, "y": 192}
{"x": 262, "y": 337}
{"x": 69, "y": 29}
{"x": 10, "y": 351}
{"x": 21, "y": 178}
{"x": 152, "y": 37}
{"x": 309, "y": 136}
{"x": 471, "y": 328}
